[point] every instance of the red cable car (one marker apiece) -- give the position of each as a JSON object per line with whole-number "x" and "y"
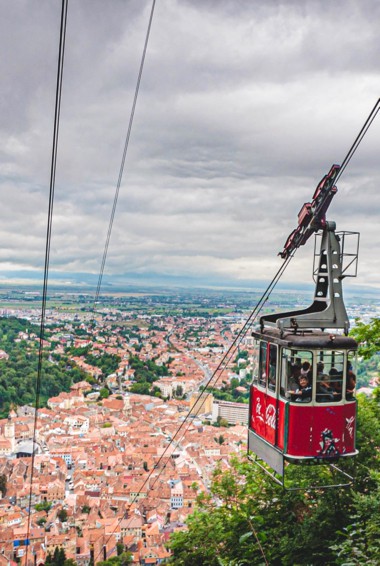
{"x": 302, "y": 403}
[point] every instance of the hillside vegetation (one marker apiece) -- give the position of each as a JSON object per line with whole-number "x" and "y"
{"x": 18, "y": 372}
{"x": 248, "y": 519}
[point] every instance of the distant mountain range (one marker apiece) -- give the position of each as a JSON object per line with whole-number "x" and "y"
{"x": 87, "y": 282}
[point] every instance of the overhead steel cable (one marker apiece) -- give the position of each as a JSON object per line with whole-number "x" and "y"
{"x": 231, "y": 350}
{"x": 251, "y": 319}
{"x": 372, "y": 115}
{"x": 53, "y": 167}
{"x": 126, "y": 144}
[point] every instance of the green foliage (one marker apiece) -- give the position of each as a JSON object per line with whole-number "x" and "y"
{"x": 140, "y": 388}
{"x": 146, "y": 373}
{"x": 3, "y": 484}
{"x": 120, "y": 548}
{"x": 78, "y": 352}
{"x": 360, "y": 540}
{"x": 18, "y": 373}
{"x": 104, "y": 393}
{"x": 368, "y": 337}
{"x": 229, "y": 393}
{"x": 44, "y": 506}
{"x": 242, "y": 354}
{"x": 108, "y": 363}
{"x": 62, "y": 515}
{"x": 222, "y": 422}
{"x": 58, "y": 558}
{"x": 178, "y": 391}
{"x": 123, "y": 559}
{"x": 247, "y": 519}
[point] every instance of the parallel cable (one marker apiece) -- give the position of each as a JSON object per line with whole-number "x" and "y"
{"x": 53, "y": 168}
{"x": 121, "y": 171}
{"x": 232, "y": 349}
{"x": 221, "y": 366}
{"x": 372, "y": 115}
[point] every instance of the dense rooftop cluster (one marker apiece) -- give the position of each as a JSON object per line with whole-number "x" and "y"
{"x": 105, "y": 470}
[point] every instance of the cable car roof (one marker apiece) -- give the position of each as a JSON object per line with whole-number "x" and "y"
{"x": 314, "y": 339}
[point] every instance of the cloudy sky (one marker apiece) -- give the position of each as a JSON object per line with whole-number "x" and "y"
{"x": 243, "y": 107}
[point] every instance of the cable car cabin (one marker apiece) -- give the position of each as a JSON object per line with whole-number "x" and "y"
{"x": 302, "y": 404}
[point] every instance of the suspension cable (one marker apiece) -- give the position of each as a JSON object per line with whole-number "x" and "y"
{"x": 372, "y": 115}
{"x": 53, "y": 168}
{"x": 121, "y": 171}
{"x": 251, "y": 319}
{"x": 232, "y": 349}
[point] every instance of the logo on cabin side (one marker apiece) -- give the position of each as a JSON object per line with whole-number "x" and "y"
{"x": 327, "y": 443}
{"x": 259, "y": 414}
{"x": 270, "y": 416}
{"x": 350, "y": 426}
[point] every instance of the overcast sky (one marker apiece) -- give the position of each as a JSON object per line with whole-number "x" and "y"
{"x": 244, "y": 105}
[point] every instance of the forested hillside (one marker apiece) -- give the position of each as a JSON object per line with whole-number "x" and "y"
{"x": 247, "y": 519}
{"x": 18, "y": 372}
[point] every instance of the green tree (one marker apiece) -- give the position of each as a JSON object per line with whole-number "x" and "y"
{"x": 3, "y": 484}
{"x": 222, "y": 422}
{"x": 58, "y": 558}
{"x": 104, "y": 393}
{"x": 179, "y": 391}
{"x": 248, "y": 519}
{"x": 44, "y": 506}
{"x": 62, "y": 515}
{"x": 124, "y": 559}
{"x": 368, "y": 337}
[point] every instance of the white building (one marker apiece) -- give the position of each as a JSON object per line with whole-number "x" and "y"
{"x": 233, "y": 413}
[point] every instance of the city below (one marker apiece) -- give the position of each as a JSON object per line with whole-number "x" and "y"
{"x": 141, "y": 397}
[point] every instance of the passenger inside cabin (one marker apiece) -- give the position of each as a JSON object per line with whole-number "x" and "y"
{"x": 303, "y": 393}
{"x": 294, "y": 374}
{"x": 305, "y": 368}
{"x": 350, "y": 383}
{"x": 325, "y": 392}
{"x": 336, "y": 379}
{"x": 320, "y": 368}
{"x": 272, "y": 368}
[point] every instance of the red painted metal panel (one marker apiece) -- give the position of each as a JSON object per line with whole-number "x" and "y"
{"x": 321, "y": 431}
{"x": 257, "y": 416}
{"x": 267, "y": 417}
{"x": 281, "y": 424}
{"x": 311, "y": 431}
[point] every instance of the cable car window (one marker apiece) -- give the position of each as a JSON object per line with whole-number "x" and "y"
{"x": 268, "y": 365}
{"x": 296, "y": 375}
{"x": 330, "y": 367}
{"x": 255, "y": 362}
{"x": 351, "y": 376}
{"x": 263, "y": 364}
{"x": 272, "y": 367}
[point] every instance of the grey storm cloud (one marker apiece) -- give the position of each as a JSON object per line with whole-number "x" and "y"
{"x": 243, "y": 107}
